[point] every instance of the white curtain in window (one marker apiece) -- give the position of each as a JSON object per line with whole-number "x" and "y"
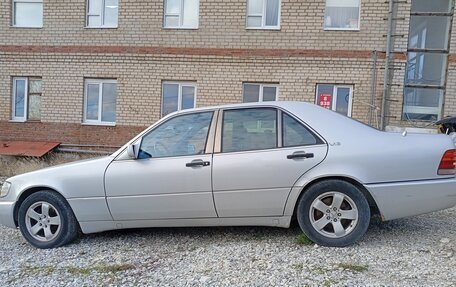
{"x": 111, "y": 12}
{"x": 342, "y": 14}
{"x": 190, "y": 13}
{"x": 272, "y": 12}
{"x": 28, "y": 14}
{"x": 94, "y": 13}
{"x": 102, "y": 13}
{"x": 255, "y": 7}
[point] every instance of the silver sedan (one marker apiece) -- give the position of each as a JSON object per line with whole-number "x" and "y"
{"x": 247, "y": 164}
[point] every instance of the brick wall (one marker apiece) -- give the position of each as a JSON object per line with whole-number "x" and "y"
{"x": 68, "y": 133}
{"x": 219, "y": 56}
{"x": 139, "y": 79}
{"x": 221, "y": 24}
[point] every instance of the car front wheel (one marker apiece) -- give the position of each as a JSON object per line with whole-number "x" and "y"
{"x": 46, "y": 220}
{"x": 333, "y": 213}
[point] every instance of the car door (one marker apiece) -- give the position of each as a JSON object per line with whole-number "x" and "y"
{"x": 259, "y": 155}
{"x": 171, "y": 178}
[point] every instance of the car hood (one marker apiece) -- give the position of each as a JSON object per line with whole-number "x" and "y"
{"x": 84, "y": 178}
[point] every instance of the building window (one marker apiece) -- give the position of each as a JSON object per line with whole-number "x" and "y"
{"x": 178, "y": 96}
{"x": 181, "y": 14}
{"x": 102, "y": 13}
{"x": 342, "y": 14}
{"x": 427, "y": 59}
{"x": 259, "y": 93}
{"x": 263, "y": 14}
{"x": 28, "y": 13}
{"x": 100, "y": 100}
{"x": 26, "y": 99}
{"x": 338, "y": 98}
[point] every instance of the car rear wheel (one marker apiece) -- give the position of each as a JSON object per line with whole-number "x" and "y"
{"x": 47, "y": 221}
{"x": 333, "y": 213}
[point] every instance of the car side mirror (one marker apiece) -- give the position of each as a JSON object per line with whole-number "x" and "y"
{"x": 133, "y": 150}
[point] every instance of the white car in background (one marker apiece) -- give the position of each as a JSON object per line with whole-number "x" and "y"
{"x": 246, "y": 164}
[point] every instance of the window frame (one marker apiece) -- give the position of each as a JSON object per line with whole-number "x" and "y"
{"x": 343, "y": 29}
{"x": 99, "y": 82}
{"x": 180, "y": 15}
{"x": 27, "y": 94}
{"x": 261, "y": 91}
{"x": 334, "y": 96}
{"x": 263, "y": 17}
{"x": 102, "y": 26}
{"x": 13, "y": 100}
{"x": 180, "y": 84}
{"x": 13, "y": 13}
{"x": 421, "y": 52}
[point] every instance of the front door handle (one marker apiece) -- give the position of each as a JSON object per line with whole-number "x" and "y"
{"x": 197, "y": 162}
{"x": 300, "y": 154}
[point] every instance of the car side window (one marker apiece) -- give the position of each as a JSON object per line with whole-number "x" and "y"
{"x": 249, "y": 129}
{"x": 179, "y": 136}
{"x": 295, "y": 134}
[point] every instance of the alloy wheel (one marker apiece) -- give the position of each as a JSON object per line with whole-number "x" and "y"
{"x": 43, "y": 221}
{"x": 333, "y": 214}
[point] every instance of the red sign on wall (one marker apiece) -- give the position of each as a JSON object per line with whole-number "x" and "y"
{"x": 325, "y": 100}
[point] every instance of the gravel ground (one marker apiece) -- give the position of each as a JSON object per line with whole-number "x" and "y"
{"x": 418, "y": 251}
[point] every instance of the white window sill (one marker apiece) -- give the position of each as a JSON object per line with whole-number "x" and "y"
{"x": 263, "y": 28}
{"x": 181, "y": 28}
{"x": 343, "y": 29}
{"x": 26, "y": 27}
{"x": 17, "y": 121}
{"x": 98, "y": 124}
{"x": 102, "y": 27}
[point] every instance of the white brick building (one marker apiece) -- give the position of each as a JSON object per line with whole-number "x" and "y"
{"x": 97, "y": 72}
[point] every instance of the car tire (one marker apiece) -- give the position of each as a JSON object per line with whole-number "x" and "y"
{"x": 47, "y": 221}
{"x": 333, "y": 213}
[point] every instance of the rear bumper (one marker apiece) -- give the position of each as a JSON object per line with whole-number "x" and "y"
{"x": 6, "y": 214}
{"x": 402, "y": 199}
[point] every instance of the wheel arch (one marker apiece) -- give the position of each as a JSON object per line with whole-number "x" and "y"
{"x": 26, "y": 193}
{"x": 370, "y": 199}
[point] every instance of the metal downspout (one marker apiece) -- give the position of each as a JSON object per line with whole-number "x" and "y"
{"x": 373, "y": 88}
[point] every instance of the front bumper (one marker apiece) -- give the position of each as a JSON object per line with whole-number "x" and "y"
{"x": 402, "y": 199}
{"x": 6, "y": 214}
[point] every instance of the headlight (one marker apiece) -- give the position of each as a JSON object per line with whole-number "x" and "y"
{"x": 5, "y": 189}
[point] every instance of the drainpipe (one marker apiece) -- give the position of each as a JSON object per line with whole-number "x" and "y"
{"x": 373, "y": 87}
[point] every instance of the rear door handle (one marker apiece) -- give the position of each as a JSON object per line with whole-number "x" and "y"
{"x": 197, "y": 162}
{"x": 300, "y": 154}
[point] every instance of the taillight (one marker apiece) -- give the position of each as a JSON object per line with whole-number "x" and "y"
{"x": 447, "y": 164}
